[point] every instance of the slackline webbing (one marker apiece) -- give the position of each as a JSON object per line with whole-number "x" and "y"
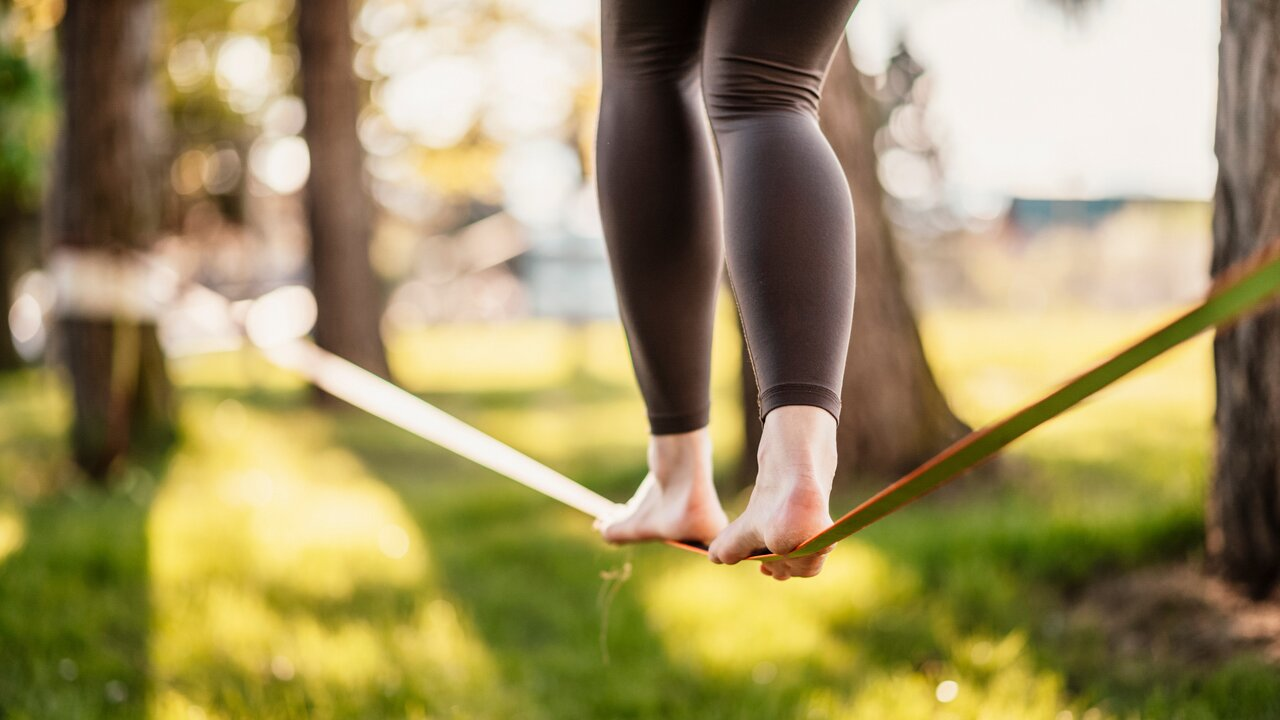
{"x": 378, "y": 397}
{"x": 361, "y": 388}
{"x": 1236, "y": 292}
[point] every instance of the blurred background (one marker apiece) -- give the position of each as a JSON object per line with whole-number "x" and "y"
{"x": 188, "y": 531}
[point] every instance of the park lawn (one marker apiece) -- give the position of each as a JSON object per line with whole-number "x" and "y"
{"x": 287, "y": 563}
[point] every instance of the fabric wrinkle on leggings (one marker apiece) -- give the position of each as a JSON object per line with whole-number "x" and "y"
{"x": 709, "y": 152}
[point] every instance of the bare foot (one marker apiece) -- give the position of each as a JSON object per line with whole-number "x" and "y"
{"x": 790, "y": 501}
{"x": 677, "y": 499}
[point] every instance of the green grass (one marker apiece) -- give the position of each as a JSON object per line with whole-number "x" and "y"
{"x": 285, "y": 563}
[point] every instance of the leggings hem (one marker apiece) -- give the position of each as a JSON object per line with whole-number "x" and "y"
{"x": 799, "y": 394}
{"x": 679, "y": 423}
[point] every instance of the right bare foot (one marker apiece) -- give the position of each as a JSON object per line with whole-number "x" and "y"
{"x": 677, "y": 499}
{"x": 789, "y": 503}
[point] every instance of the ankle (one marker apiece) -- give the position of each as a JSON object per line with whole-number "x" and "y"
{"x": 680, "y": 457}
{"x": 799, "y": 443}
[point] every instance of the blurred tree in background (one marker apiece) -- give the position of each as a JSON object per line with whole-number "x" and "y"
{"x": 340, "y": 214}
{"x": 106, "y": 198}
{"x": 900, "y": 417}
{"x": 1244, "y": 505}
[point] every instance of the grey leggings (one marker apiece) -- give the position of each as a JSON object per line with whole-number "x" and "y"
{"x": 755, "y": 70}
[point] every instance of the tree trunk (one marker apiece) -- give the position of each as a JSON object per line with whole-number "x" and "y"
{"x": 105, "y": 198}
{"x": 338, "y": 207}
{"x": 1244, "y": 502}
{"x": 894, "y": 416}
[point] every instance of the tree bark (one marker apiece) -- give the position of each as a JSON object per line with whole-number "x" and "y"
{"x": 105, "y": 197}
{"x": 339, "y": 210}
{"x": 894, "y": 415}
{"x": 1244, "y": 502}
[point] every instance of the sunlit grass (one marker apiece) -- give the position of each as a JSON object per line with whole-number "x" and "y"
{"x": 280, "y": 563}
{"x": 34, "y": 411}
{"x": 1014, "y": 690}
{"x": 990, "y": 364}
{"x": 290, "y": 563}
{"x": 13, "y": 531}
{"x": 537, "y": 355}
{"x": 1146, "y": 436}
{"x": 733, "y": 621}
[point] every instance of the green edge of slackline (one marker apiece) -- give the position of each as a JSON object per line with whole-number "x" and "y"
{"x": 1249, "y": 288}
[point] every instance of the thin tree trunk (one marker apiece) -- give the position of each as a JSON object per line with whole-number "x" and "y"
{"x": 894, "y": 415}
{"x": 105, "y": 198}
{"x": 1244, "y": 503}
{"x": 338, "y": 207}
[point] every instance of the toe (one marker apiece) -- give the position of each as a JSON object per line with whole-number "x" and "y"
{"x": 776, "y": 569}
{"x": 620, "y": 530}
{"x": 735, "y": 544}
{"x": 604, "y": 522}
{"x": 805, "y": 567}
{"x": 808, "y": 569}
{"x": 612, "y": 533}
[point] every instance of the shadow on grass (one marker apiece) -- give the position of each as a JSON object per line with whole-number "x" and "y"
{"x": 74, "y": 620}
{"x": 531, "y": 579}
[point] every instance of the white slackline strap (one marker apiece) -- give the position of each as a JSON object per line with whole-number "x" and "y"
{"x": 363, "y": 389}
{"x": 382, "y": 399}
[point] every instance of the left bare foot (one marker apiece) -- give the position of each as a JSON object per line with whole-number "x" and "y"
{"x": 677, "y": 499}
